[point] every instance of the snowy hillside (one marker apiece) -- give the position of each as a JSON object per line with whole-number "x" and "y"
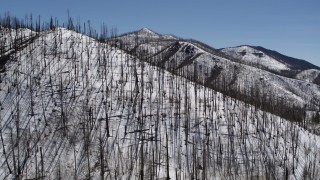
{"x": 253, "y": 57}
{"x": 75, "y": 108}
{"x": 269, "y": 60}
{"x": 20, "y": 37}
{"x": 310, "y": 75}
{"x": 254, "y": 85}
{"x": 144, "y": 36}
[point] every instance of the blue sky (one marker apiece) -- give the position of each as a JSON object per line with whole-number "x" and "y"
{"x": 291, "y": 27}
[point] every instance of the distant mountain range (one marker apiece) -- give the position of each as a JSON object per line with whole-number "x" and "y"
{"x": 271, "y": 60}
{"x": 239, "y": 72}
{"x": 255, "y": 56}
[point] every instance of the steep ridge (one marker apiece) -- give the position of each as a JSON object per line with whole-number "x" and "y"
{"x": 269, "y": 60}
{"x": 294, "y": 63}
{"x": 310, "y": 75}
{"x": 76, "y": 108}
{"x": 256, "y": 58}
{"x": 242, "y": 80}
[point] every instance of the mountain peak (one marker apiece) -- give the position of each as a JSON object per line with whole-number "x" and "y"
{"x": 147, "y": 31}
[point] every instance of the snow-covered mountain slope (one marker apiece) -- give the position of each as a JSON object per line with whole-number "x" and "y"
{"x": 256, "y": 58}
{"x": 143, "y": 36}
{"x": 74, "y": 108}
{"x": 269, "y": 60}
{"x": 310, "y": 75}
{"x": 21, "y": 37}
{"x": 293, "y": 63}
{"x": 255, "y": 85}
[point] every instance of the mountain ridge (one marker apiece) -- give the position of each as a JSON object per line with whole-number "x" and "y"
{"x": 77, "y": 107}
{"x": 294, "y": 62}
{"x": 178, "y": 51}
{"x": 297, "y": 63}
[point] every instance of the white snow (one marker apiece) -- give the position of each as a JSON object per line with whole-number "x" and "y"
{"x": 152, "y": 114}
{"x": 251, "y": 58}
{"x": 308, "y": 75}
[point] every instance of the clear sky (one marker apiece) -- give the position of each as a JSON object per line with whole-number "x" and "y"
{"x": 291, "y": 27}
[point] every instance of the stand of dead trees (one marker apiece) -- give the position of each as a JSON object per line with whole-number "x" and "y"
{"x": 77, "y": 105}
